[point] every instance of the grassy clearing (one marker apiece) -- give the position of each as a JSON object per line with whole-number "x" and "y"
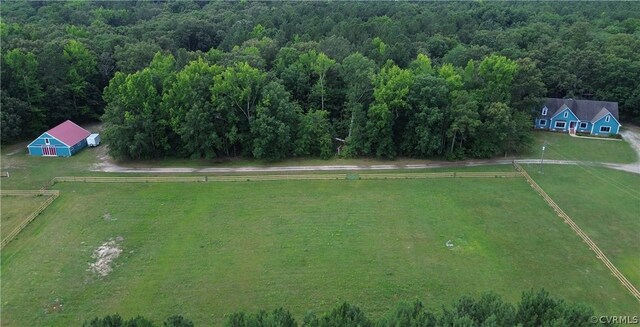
{"x": 14, "y": 209}
{"x": 605, "y": 204}
{"x": 205, "y": 250}
{"x": 561, "y": 146}
{"x": 35, "y": 172}
{"x": 29, "y": 172}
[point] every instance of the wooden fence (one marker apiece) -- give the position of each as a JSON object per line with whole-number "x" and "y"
{"x": 275, "y": 177}
{"x": 28, "y": 192}
{"x": 150, "y": 179}
{"x": 52, "y": 195}
{"x": 442, "y": 175}
{"x": 599, "y": 254}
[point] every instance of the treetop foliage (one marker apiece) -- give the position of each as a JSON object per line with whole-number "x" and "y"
{"x": 535, "y": 308}
{"x": 188, "y": 79}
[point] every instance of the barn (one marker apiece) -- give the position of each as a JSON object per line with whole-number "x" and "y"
{"x": 63, "y": 140}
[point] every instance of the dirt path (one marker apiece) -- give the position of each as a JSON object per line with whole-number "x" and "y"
{"x": 631, "y": 135}
{"x": 108, "y": 166}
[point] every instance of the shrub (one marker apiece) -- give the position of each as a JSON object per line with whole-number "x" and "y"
{"x": 278, "y": 318}
{"x": 178, "y": 321}
{"x": 116, "y": 321}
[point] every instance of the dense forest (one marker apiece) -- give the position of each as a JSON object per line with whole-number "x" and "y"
{"x": 274, "y": 80}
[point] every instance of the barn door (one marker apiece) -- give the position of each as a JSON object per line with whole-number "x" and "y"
{"x": 48, "y": 150}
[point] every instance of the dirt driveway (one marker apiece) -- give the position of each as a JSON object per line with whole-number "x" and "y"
{"x": 106, "y": 164}
{"x": 631, "y": 134}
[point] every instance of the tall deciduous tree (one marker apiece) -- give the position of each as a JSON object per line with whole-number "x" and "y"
{"x": 464, "y": 120}
{"x": 527, "y": 87}
{"x": 135, "y": 125}
{"x": 235, "y": 93}
{"x": 496, "y": 74}
{"x": 320, "y": 67}
{"x": 424, "y": 134}
{"x": 13, "y": 118}
{"x": 22, "y": 111}
{"x": 23, "y": 76}
{"x": 390, "y": 93}
{"x": 358, "y": 72}
{"x": 81, "y": 76}
{"x": 314, "y": 135}
{"x": 188, "y": 100}
{"x": 274, "y": 129}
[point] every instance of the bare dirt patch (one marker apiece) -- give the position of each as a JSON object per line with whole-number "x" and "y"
{"x": 54, "y": 307}
{"x": 108, "y": 217}
{"x": 104, "y": 255}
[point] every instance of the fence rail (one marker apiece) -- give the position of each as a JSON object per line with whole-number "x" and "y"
{"x": 53, "y": 194}
{"x": 28, "y": 192}
{"x": 442, "y": 175}
{"x": 599, "y": 254}
{"x": 150, "y": 179}
{"x": 261, "y": 177}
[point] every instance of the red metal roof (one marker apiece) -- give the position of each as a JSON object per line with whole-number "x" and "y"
{"x": 69, "y": 133}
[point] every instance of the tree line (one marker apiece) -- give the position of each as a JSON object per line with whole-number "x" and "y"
{"x": 535, "y": 308}
{"x": 309, "y": 104}
{"x": 58, "y": 57}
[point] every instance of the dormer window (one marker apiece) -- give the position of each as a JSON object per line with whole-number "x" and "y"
{"x": 544, "y": 111}
{"x": 607, "y": 119}
{"x": 566, "y": 114}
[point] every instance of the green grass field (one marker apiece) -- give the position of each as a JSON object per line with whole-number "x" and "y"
{"x": 14, "y": 209}
{"x": 561, "y": 146}
{"x": 605, "y": 203}
{"x": 206, "y": 250}
{"x": 36, "y": 172}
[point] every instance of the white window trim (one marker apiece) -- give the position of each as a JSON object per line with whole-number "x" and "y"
{"x": 543, "y": 122}
{"x": 560, "y": 122}
{"x": 566, "y": 114}
{"x": 46, "y": 141}
{"x": 607, "y": 119}
{"x": 585, "y": 125}
{"x": 544, "y": 111}
{"x": 602, "y": 127}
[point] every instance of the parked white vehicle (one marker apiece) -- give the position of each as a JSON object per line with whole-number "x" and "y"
{"x": 93, "y": 139}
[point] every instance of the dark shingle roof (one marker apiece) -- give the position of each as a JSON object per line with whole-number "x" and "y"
{"x": 586, "y": 110}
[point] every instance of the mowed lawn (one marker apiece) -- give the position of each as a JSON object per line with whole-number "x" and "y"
{"x": 605, "y": 203}
{"x": 562, "y": 146}
{"x": 208, "y": 249}
{"x": 14, "y": 209}
{"x": 28, "y": 173}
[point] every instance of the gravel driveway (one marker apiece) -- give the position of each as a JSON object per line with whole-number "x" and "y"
{"x": 631, "y": 134}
